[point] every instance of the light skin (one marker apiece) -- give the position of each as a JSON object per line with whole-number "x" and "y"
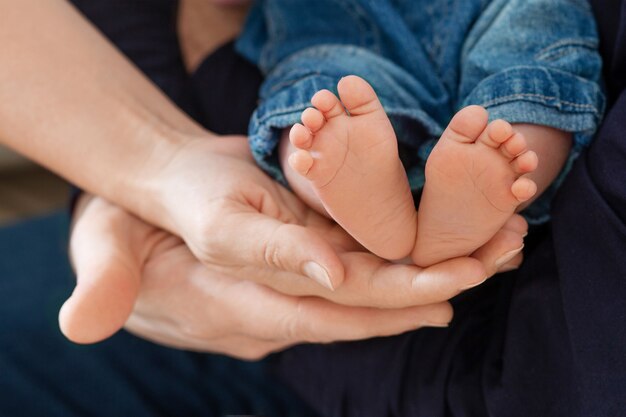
{"x": 94, "y": 119}
{"x": 118, "y": 257}
{"x": 204, "y": 26}
{"x": 343, "y": 160}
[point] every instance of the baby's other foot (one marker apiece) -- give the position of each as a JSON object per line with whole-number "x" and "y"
{"x": 347, "y": 149}
{"x": 473, "y": 185}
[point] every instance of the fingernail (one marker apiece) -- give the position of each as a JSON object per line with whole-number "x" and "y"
{"x": 434, "y": 324}
{"x": 475, "y": 284}
{"x": 507, "y": 268}
{"x": 316, "y": 272}
{"x": 508, "y": 256}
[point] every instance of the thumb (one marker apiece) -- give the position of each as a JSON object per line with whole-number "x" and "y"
{"x": 108, "y": 276}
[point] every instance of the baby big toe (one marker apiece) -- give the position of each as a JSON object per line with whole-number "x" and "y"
{"x": 358, "y": 96}
{"x": 467, "y": 125}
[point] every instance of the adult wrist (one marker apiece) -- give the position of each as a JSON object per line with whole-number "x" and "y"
{"x": 185, "y": 173}
{"x": 146, "y": 191}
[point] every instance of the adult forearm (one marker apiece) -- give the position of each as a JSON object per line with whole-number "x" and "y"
{"x": 70, "y": 101}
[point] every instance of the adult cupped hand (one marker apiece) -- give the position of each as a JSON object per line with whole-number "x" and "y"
{"x": 216, "y": 308}
{"x": 231, "y": 215}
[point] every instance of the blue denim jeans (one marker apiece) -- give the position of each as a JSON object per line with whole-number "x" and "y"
{"x": 526, "y": 61}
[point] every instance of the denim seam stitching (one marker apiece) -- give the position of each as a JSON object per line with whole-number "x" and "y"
{"x": 553, "y": 55}
{"x": 566, "y": 43}
{"x": 500, "y": 100}
{"x": 358, "y": 14}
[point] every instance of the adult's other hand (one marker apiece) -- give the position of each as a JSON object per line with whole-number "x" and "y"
{"x": 222, "y": 309}
{"x": 184, "y": 304}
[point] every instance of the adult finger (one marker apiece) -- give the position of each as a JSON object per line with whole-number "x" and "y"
{"x": 262, "y": 313}
{"x": 373, "y": 282}
{"x": 319, "y": 321}
{"x": 243, "y": 237}
{"x": 504, "y": 250}
{"x": 218, "y": 310}
{"x": 517, "y": 224}
{"x": 513, "y": 264}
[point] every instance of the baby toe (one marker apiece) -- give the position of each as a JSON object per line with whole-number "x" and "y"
{"x": 514, "y": 146}
{"x": 496, "y": 133}
{"x": 328, "y": 104}
{"x": 524, "y": 189}
{"x": 313, "y": 119}
{"x": 301, "y": 161}
{"x": 300, "y": 136}
{"x": 525, "y": 163}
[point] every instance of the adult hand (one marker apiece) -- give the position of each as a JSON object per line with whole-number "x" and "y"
{"x": 231, "y": 215}
{"x": 184, "y": 304}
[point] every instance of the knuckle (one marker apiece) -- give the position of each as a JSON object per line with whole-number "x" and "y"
{"x": 270, "y": 253}
{"x": 271, "y": 249}
{"x": 291, "y": 328}
{"x": 210, "y": 229}
{"x": 374, "y": 295}
{"x": 370, "y": 289}
{"x": 292, "y": 325}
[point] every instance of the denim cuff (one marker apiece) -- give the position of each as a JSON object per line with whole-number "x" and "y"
{"x": 542, "y": 96}
{"x": 548, "y": 97}
{"x": 288, "y": 89}
{"x": 535, "y": 95}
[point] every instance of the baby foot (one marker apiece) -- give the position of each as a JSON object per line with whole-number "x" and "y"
{"x": 473, "y": 186}
{"x": 347, "y": 149}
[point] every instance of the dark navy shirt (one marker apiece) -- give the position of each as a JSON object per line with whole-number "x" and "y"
{"x": 546, "y": 340}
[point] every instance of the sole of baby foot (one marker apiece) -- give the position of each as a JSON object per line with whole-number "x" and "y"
{"x": 474, "y": 184}
{"x": 347, "y": 149}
